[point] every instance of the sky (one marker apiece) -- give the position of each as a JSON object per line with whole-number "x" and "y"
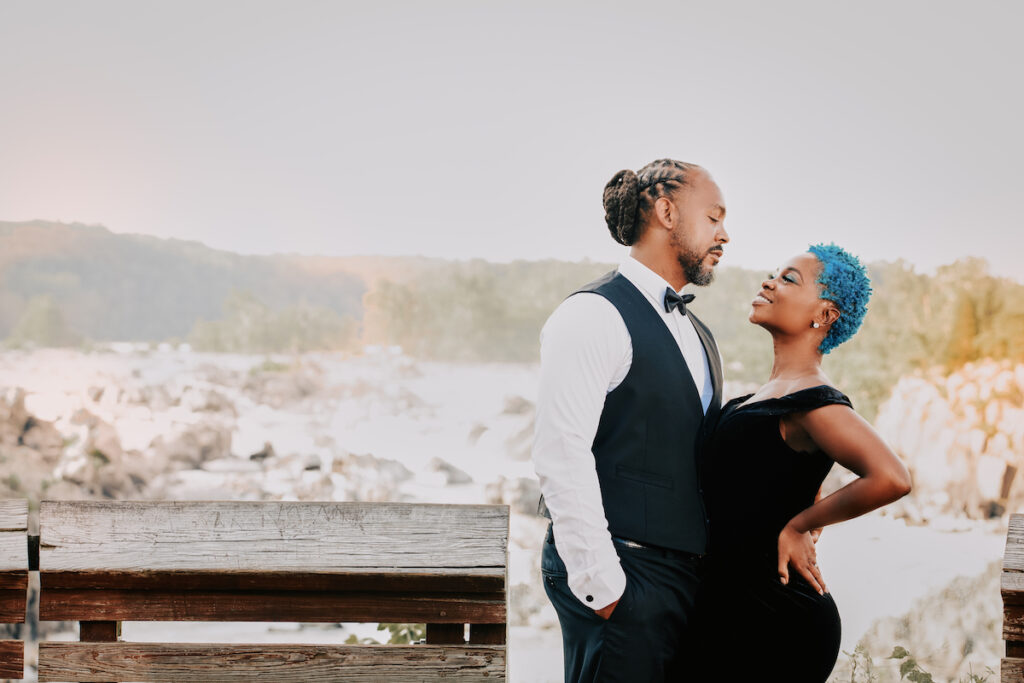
{"x": 488, "y": 129}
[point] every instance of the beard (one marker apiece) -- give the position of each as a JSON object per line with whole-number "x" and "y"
{"x": 692, "y": 263}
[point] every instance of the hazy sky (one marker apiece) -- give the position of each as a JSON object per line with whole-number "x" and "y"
{"x": 489, "y": 129}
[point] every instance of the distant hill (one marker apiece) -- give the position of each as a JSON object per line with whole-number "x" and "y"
{"x": 133, "y": 287}
{"x": 63, "y": 284}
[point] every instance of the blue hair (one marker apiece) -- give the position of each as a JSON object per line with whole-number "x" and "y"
{"x": 845, "y": 283}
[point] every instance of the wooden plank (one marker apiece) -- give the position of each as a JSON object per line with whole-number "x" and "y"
{"x": 110, "y": 605}
{"x": 12, "y": 606}
{"x": 488, "y": 634}
{"x": 63, "y": 661}
{"x": 99, "y": 631}
{"x": 446, "y": 634}
{"x": 14, "y": 580}
{"x": 14, "y": 515}
{"x": 13, "y": 551}
{"x": 271, "y": 536}
{"x": 12, "y": 659}
{"x": 1013, "y": 623}
{"x": 474, "y": 580}
{"x": 1013, "y": 555}
{"x": 1011, "y": 670}
{"x": 1011, "y": 586}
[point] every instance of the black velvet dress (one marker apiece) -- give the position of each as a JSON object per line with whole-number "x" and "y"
{"x": 748, "y": 624}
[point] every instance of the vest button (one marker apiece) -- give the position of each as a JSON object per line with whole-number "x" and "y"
{"x": 590, "y": 598}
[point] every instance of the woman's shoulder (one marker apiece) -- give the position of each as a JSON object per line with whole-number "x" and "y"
{"x": 808, "y": 398}
{"x": 815, "y": 397}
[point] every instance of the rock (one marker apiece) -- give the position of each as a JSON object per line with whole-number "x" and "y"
{"x": 956, "y": 434}
{"x": 517, "y": 405}
{"x": 43, "y": 438}
{"x": 520, "y": 494}
{"x": 278, "y": 387}
{"x": 370, "y": 478}
{"x": 13, "y": 417}
{"x": 194, "y": 445}
{"x": 266, "y": 452}
{"x": 452, "y": 474}
{"x": 952, "y": 632}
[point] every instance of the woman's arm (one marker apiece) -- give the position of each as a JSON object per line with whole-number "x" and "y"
{"x": 849, "y": 440}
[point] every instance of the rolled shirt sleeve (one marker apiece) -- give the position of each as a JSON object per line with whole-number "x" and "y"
{"x": 585, "y": 352}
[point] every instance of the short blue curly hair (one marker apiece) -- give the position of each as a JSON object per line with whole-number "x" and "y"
{"x": 844, "y": 282}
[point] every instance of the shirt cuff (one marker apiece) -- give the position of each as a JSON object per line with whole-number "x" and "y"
{"x": 599, "y": 585}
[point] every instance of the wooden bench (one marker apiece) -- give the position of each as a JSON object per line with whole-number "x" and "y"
{"x": 1012, "y": 589}
{"x": 445, "y": 566}
{"x": 13, "y": 582}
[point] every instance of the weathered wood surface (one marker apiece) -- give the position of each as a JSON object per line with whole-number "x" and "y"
{"x": 144, "y": 605}
{"x": 13, "y": 530}
{"x": 14, "y": 515}
{"x": 63, "y": 661}
{"x": 13, "y": 565}
{"x": 1011, "y": 581}
{"x": 12, "y": 606}
{"x": 99, "y": 631}
{"x": 488, "y": 634}
{"x": 1011, "y": 584}
{"x": 12, "y": 659}
{"x": 474, "y": 580}
{"x": 266, "y": 537}
{"x": 1013, "y": 623}
{"x": 1013, "y": 556}
{"x": 1011, "y": 670}
{"x": 446, "y": 634}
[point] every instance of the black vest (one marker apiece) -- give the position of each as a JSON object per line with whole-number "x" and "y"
{"x": 651, "y": 428}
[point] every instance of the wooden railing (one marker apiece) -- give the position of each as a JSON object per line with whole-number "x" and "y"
{"x": 13, "y": 582}
{"x": 1012, "y": 589}
{"x": 102, "y": 563}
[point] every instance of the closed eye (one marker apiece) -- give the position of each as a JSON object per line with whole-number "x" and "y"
{"x": 713, "y": 219}
{"x": 789, "y": 278}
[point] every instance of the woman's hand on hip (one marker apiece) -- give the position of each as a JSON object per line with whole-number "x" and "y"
{"x": 796, "y": 548}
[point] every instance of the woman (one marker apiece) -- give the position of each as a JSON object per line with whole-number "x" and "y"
{"x": 764, "y": 604}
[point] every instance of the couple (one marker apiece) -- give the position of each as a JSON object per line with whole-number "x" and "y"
{"x": 682, "y": 542}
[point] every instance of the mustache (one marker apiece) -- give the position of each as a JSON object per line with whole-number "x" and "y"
{"x": 716, "y": 250}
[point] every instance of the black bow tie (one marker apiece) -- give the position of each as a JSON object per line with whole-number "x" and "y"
{"x": 672, "y": 300}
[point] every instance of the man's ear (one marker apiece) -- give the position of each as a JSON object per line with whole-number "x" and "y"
{"x": 665, "y": 212}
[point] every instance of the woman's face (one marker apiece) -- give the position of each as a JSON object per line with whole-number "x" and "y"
{"x": 789, "y": 300}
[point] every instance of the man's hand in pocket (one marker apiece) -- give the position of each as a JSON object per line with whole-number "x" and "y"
{"x": 606, "y": 611}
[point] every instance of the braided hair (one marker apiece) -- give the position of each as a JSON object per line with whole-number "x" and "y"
{"x": 628, "y": 196}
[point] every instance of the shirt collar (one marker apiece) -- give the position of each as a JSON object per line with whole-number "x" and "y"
{"x": 646, "y": 280}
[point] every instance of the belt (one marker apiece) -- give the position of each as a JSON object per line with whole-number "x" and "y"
{"x": 629, "y": 543}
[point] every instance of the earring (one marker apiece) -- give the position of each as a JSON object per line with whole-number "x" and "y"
{"x": 815, "y": 325}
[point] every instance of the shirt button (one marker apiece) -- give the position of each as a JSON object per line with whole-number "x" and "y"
{"x": 590, "y": 598}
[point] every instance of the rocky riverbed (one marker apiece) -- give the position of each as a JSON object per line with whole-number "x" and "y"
{"x": 134, "y": 422}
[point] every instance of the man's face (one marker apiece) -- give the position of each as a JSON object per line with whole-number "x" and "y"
{"x": 700, "y": 234}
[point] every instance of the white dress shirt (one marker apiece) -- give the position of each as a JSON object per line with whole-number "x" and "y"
{"x": 585, "y": 352}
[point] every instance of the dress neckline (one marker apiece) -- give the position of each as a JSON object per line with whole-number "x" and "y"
{"x": 779, "y": 398}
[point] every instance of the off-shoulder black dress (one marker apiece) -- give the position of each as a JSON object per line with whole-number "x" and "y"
{"x": 747, "y": 622}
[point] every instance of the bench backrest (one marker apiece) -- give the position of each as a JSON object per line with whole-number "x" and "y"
{"x": 106, "y": 562}
{"x": 13, "y": 582}
{"x": 1012, "y": 589}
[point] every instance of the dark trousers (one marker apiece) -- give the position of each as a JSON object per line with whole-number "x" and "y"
{"x": 646, "y": 637}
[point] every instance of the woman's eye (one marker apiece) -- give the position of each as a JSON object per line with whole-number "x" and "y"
{"x": 789, "y": 278}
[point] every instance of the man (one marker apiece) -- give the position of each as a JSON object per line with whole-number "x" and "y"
{"x": 630, "y": 383}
